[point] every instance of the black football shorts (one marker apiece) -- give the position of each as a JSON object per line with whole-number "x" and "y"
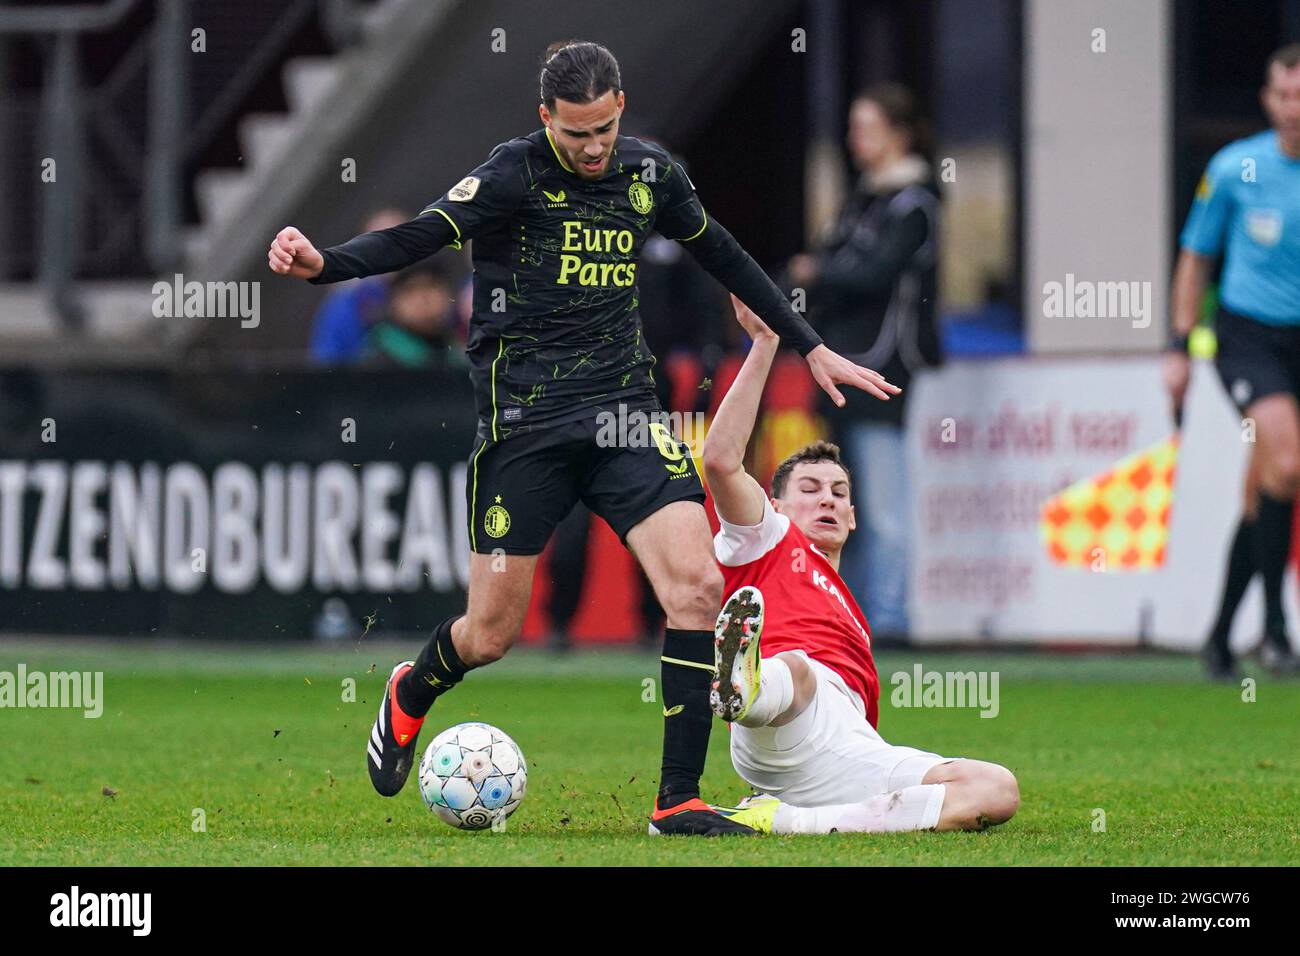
{"x": 1255, "y": 359}
{"x": 518, "y": 489}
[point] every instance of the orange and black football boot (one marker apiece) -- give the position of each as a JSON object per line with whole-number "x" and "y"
{"x": 391, "y": 747}
{"x": 694, "y": 817}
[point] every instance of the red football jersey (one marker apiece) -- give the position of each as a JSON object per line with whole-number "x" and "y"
{"x": 807, "y": 606}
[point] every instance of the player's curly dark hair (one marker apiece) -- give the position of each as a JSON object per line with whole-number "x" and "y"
{"x": 577, "y": 71}
{"x": 819, "y": 450}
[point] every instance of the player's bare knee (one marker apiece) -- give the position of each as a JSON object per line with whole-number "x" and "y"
{"x": 489, "y": 639}
{"x": 959, "y": 773}
{"x": 979, "y": 794}
{"x": 987, "y": 793}
{"x": 491, "y": 646}
{"x": 695, "y": 598}
{"x": 1283, "y": 472}
{"x": 711, "y": 583}
{"x": 1002, "y": 794}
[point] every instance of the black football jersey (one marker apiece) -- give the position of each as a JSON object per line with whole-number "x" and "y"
{"x": 555, "y": 334}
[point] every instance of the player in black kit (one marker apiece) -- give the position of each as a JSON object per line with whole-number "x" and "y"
{"x": 558, "y": 219}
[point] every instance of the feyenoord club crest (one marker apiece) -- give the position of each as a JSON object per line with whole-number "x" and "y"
{"x": 642, "y": 199}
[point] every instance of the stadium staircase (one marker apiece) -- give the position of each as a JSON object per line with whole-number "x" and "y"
{"x": 418, "y": 99}
{"x": 112, "y": 124}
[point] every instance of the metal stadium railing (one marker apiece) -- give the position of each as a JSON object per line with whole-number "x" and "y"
{"x": 125, "y": 144}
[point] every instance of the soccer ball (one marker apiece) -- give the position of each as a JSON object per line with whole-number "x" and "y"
{"x": 473, "y": 775}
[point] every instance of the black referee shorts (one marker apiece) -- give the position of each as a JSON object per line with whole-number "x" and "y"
{"x": 1256, "y": 359}
{"x": 518, "y": 489}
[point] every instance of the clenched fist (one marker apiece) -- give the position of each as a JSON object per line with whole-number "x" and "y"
{"x": 292, "y": 254}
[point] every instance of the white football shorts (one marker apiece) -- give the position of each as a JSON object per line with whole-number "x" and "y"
{"x": 829, "y": 754}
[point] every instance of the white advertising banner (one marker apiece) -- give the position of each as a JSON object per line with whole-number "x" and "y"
{"x": 989, "y": 442}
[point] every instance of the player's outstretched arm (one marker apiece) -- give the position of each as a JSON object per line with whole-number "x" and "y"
{"x": 372, "y": 253}
{"x": 719, "y": 253}
{"x": 738, "y": 498}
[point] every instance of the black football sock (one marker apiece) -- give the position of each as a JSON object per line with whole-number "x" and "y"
{"x": 686, "y": 671}
{"x": 1241, "y": 568}
{"x": 437, "y": 670}
{"x": 1271, "y": 536}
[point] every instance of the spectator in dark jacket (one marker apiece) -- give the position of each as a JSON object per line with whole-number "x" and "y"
{"x": 871, "y": 287}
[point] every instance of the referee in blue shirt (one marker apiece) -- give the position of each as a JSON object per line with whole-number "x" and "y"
{"x": 1247, "y": 211}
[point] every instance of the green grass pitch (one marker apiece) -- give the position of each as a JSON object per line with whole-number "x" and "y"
{"x": 264, "y": 744}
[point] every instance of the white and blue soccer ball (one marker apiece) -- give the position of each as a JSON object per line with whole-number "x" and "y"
{"x": 473, "y": 776}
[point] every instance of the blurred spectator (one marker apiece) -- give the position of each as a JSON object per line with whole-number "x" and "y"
{"x": 871, "y": 287}
{"x": 682, "y": 306}
{"x": 344, "y": 319}
{"x": 683, "y": 309}
{"x": 419, "y": 327}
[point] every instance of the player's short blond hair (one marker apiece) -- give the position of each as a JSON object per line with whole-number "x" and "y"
{"x": 820, "y": 450}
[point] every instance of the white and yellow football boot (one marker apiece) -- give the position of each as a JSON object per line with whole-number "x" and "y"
{"x": 757, "y": 812}
{"x": 735, "y": 654}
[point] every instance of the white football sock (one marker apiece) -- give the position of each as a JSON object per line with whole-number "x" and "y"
{"x": 775, "y": 693}
{"x": 912, "y": 808}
